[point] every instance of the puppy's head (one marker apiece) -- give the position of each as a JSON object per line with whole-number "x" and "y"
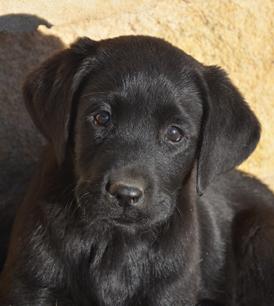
{"x": 138, "y": 114}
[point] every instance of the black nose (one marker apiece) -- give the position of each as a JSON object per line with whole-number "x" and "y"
{"x": 126, "y": 194}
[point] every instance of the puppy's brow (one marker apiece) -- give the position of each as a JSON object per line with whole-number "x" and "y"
{"x": 94, "y": 94}
{"x": 102, "y": 94}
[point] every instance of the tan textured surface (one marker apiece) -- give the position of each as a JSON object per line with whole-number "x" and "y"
{"x": 237, "y": 35}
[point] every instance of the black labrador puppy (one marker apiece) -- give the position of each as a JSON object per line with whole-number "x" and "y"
{"x": 136, "y": 200}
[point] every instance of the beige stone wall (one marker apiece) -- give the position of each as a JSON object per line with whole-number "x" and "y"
{"x": 237, "y": 35}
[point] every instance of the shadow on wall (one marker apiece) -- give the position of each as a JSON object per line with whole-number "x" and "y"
{"x": 22, "y": 48}
{"x": 21, "y": 23}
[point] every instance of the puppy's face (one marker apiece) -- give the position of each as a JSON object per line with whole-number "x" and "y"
{"x": 135, "y": 141}
{"x": 138, "y": 113}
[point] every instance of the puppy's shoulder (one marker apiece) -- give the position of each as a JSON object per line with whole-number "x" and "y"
{"x": 239, "y": 190}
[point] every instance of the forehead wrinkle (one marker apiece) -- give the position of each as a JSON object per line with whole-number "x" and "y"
{"x": 146, "y": 85}
{"x": 165, "y": 91}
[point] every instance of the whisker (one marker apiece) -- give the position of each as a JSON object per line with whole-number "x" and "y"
{"x": 178, "y": 210}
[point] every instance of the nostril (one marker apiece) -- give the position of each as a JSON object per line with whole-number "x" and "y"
{"x": 125, "y": 194}
{"x": 108, "y": 185}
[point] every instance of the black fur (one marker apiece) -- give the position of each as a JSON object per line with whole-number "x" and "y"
{"x": 201, "y": 233}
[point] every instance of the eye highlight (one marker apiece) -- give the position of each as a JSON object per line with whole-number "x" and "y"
{"x": 174, "y": 134}
{"x": 102, "y": 118}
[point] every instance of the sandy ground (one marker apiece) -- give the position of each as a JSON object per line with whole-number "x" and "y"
{"x": 237, "y": 35}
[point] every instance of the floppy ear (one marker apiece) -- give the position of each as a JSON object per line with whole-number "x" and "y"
{"x": 48, "y": 91}
{"x": 230, "y": 130}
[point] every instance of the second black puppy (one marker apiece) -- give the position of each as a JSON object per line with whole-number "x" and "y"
{"x": 136, "y": 201}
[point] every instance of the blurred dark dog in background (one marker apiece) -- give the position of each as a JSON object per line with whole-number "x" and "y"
{"x": 136, "y": 200}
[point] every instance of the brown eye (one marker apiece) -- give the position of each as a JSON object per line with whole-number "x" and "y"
{"x": 102, "y": 118}
{"x": 174, "y": 134}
